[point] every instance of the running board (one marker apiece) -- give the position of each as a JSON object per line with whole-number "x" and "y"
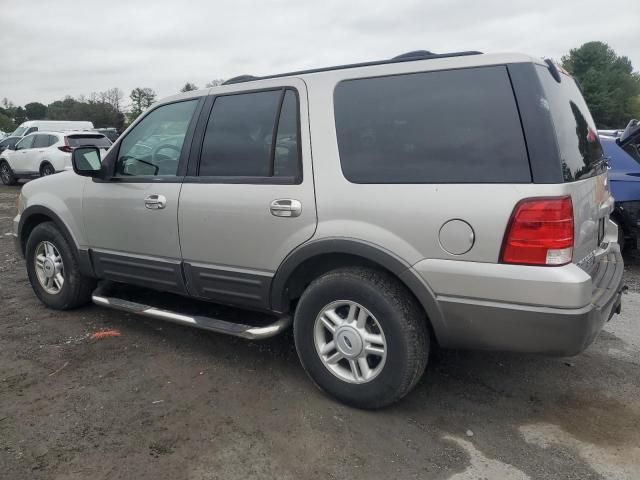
{"x": 100, "y": 297}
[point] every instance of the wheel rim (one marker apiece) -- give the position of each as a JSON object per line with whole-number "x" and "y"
{"x": 49, "y": 267}
{"x": 4, "y": 172}
{"x": 350, "y": 342}
{"x": 46, "y": 170}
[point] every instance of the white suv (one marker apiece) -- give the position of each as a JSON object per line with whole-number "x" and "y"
{"x": 44, "y": 153}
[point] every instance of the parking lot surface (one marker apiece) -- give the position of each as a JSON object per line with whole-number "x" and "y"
{"x": 166, "y": 402}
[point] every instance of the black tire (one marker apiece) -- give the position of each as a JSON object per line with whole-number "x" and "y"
{"x": 46, "y": 169}
{"x": 6, "y": 174}
{"x": 76, "y": 289}
{"x": 401, "y": 318}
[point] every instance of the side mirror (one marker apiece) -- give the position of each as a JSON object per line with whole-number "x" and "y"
{"x": 86, "y": 161}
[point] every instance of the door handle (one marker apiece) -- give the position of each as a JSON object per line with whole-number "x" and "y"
{"x": 155, "y": 202}
{"x": 286, "y": 207}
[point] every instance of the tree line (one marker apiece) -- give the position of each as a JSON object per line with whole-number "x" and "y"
{"x": 609, "y": 84}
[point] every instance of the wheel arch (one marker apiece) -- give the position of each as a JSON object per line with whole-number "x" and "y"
{"x": 33, "y": 216}
{"x": 44, "y": 162}
{"x": 315, "y": 258}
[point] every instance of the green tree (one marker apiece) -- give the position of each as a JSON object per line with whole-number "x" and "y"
{"x": 609, "y": 84}
{"x": 35, "y": 111}
{"x": 6, "y": 124}
{"x": 141, "y": 99}
{"x": 19, "y": 116}
{"x": 188, "y": 87}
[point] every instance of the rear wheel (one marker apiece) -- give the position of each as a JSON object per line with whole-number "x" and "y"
{"x": 53, "y": 269}
{"x": 6, "y": 174}
{"x": 361, "y": 337}
{"x": 46, "y": 169}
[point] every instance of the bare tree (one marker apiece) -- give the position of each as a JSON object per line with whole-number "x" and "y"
{"x": 215, "y": 82}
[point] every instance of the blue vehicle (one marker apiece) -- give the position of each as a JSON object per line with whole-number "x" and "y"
{"x": 624, "y": 160}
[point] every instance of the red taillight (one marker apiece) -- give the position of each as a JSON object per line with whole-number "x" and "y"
{"x": 540, "y": 232}
{"x": 66, "y": 148}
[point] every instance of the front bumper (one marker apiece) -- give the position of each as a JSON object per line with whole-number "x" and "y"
{"x": 473, "y": 323}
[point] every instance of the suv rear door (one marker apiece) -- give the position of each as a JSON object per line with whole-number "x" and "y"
{"x": 248, "y": 199}
{"x": 131, "y": 218}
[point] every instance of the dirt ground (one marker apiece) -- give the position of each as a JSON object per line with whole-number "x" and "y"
{"x": 166, "y": 402}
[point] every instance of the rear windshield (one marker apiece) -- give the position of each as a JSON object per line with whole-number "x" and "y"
{"x": 88, "y": 141}
{"x": 578, "y": 143}
{"x": 453, "y": 126}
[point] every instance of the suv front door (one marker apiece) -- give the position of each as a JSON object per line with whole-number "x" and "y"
{"x": 131, "y": 218}
{"x": 21, "y": 159}
{"x": 248, "y": 199}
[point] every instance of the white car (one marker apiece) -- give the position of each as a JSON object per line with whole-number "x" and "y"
{"x": 45, "y": 153}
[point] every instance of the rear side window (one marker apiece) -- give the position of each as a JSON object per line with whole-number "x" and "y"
{"x": 88, "y": 141}
{"x": 41, "y": 141}
{"x": 454, "y": 126}
{"x": 252, "y": 135}
{"x": 578, "y": 143}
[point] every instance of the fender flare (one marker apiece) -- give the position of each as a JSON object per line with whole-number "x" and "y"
{"x": 369, "y": 251}
{"x": 82, "y": 255}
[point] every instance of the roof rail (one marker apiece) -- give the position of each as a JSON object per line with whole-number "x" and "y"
{"x": 405, "y": 57}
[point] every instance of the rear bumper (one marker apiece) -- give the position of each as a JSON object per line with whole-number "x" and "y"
{"x": 496, "y": 325}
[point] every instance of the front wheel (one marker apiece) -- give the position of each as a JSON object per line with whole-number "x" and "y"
{"x": 53, "y": 269}
{"x": 6, "y": 174}
{"x": 361, "y": 337}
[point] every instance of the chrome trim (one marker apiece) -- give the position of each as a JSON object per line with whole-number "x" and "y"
{"x": 100, "y": 297}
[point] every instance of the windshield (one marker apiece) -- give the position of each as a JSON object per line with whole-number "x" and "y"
{"x": 88, "y": 140}
{"x": 578, "y": 142}
{"x": 19, "y": 131}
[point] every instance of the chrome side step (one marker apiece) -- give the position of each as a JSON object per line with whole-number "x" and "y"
{"x": 100, "y": 297}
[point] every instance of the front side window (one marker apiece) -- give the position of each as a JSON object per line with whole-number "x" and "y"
{"x": 26, "y": 142}
{"x": 252, "y": 135}
{"x": 154, "y": 146}
{"x": 452, "y": 126}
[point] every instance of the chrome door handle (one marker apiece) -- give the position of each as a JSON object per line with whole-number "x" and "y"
{"x": 155, "y": 202}
{"x": 286, "y": 207}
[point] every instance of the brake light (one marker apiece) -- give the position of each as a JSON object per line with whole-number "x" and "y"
{"x": 66, "y": 148}
{"x": 540, "y": 232}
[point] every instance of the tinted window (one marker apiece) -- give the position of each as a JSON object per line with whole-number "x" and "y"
{"x": 237, "y": 142}
{"x": 41, "y": 141}
{"x": 457, "y": 126}
{"x": 154, "y": 145}
{"x": 26, "y": 142}
{"x": 578, "y": 142}
{"x": 286, "y": 162}
{"x": 53, "y": 140}
{"x": 88, "y": 141}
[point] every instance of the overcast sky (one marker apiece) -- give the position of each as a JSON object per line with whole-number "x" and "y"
{"x": 50, "y": 49}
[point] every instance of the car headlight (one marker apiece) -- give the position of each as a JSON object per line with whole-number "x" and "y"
{"x": 20, "y": 203}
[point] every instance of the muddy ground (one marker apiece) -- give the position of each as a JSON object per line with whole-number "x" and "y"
{"x": 166, "y": 402}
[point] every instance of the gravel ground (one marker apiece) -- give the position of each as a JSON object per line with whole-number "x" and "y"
{"x": 165, "y": 402}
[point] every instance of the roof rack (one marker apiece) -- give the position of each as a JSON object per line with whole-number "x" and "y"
{"x": 405, "y": 57}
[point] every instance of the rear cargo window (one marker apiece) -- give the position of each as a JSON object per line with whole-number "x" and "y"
{"x": 454, "y": 126}
{"x": 578, "y": 143}
{"x": 88, "y": 141}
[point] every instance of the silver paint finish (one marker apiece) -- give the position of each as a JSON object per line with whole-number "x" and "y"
{"x": 456, "y": 237}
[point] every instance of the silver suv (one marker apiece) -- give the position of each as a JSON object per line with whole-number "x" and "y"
{"x": 458, "y": 200}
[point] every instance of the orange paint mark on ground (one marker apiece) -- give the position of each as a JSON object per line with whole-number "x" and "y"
{"x": 105, "y": 334}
